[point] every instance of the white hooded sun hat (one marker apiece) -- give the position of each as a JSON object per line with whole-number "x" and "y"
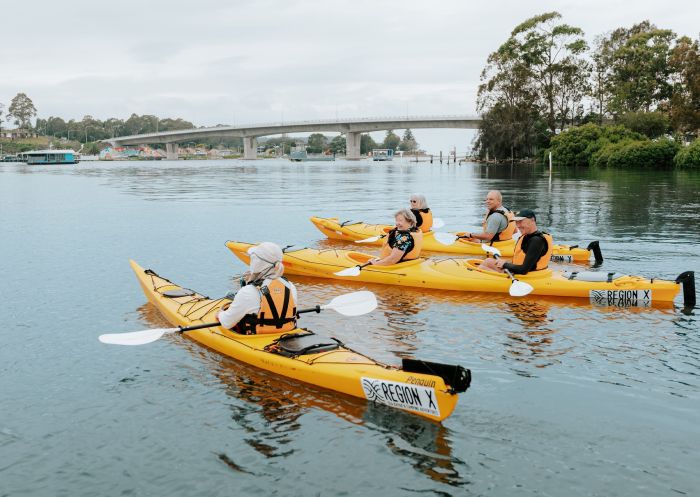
{"x": 264, "y": 257}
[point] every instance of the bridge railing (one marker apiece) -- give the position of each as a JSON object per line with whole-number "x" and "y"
{"x": 349, "y": 120}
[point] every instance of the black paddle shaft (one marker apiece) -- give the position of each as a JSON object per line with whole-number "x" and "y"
{"x": 310, "y": 309}
{"x": 211, "y": 325}
{"x": 198, "y": 327}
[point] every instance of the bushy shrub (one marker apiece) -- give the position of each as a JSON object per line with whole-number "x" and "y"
{"x": 648, "y": 154}
{"x": 570, "y": 147}
{"x": 688, "y": 157}
{"x": 576, "y": 146}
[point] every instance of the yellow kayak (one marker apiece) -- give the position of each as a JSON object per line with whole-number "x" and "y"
{"x": 465, "y": 275}
{"x": 419, "y": 387}
{"x": 354, "y": 231}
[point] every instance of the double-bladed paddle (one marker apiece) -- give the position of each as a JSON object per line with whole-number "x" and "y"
{"x": 353, "y": 271}
{"x": 517, "y": 288}
{"x": 371, "y": 239}
{"x": 448, "y": 238}
{"x": 349, "y": 304}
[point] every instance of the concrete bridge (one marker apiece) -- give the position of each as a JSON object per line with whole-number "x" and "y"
{"x": 351, "y": 128}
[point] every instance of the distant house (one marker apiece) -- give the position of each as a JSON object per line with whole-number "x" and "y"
{"x": 17, "y": 134}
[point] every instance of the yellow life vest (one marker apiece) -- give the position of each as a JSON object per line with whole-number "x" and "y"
{"x": 277, "y": 314}
{"x": 543, "y": 261}
{"x": 505, "y": 234}
{"x": 414, "y": 251}
{"x": 424, "y": 219}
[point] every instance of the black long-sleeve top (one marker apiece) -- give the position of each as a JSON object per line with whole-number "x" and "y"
{"x": 534, "y": 248}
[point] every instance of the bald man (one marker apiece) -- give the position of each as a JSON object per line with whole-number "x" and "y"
{"x": 498, "y": 224}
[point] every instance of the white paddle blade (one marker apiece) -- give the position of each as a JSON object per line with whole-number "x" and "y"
{"x": 137, "y": 337}
{"x": 445, "y": 238}
{"x": 353, "y": 304}
{"x": 520, "y": 289}
{"x": 369, "y": 240}
{"x": 351, "y": 271}
{"x": 491, "y": 250}
{"x": 438, "y": 223}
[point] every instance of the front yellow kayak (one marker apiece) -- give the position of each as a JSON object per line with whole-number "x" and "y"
{"x": 424, "y": 388}
{"x": 354, "y": 231}
{"x": 465, "y": 275}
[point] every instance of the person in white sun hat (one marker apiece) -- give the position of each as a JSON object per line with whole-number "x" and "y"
{"x": 266, "y": 303}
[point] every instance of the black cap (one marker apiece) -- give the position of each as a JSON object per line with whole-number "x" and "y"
{"x": 525, "y": 214}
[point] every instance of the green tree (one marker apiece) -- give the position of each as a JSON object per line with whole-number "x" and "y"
{"x": 91, "y": 148}
{"x": 650, "y": 124}
{"x": 507, "y": 100}
{"x": 169, "y": 124}
{"x": 316, "y": 143}
{"x": 135, "y": 125}
{"x": 391, "y": 140}
{"x": 639, "y": 69}
{"x": 685, "y": 80}
{"x": 113, "y": 126}
{"x": 553, "y": 53}
{"x": 408, "y": 142}
{"x": 56, "y": 126}
{"x": 92, "y": 129}
{"x": 338, "y": 145}
{"x": 22, "y": 110}
{"x": 2, "y": 110}
{"x": 601, "y": 74}
{"x": 367, "y": 144}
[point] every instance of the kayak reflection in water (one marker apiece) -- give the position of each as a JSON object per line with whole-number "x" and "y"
{"x": 532, "y": 250}
{"x": 266, "y": 303}
{"x": 403, "y": 243}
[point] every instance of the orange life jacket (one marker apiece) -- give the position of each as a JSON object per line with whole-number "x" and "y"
{"x": 505, "y": 234}
{"x": 519, "y": 253}
{"x": 277, "y": 314}
{"x": 413, "y": 252}
{"x": 424, "y": 219}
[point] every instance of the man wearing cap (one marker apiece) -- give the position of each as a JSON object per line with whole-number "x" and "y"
{"x": 532, "y": 250}
{"x": 266, "y": 302}
{"x": 498, "y": 224}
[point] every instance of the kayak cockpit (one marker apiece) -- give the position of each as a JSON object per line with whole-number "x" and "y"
{"x": 307, "y": 342}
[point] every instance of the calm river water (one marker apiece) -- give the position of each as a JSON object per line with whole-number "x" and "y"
{"x": 567, "y": 398}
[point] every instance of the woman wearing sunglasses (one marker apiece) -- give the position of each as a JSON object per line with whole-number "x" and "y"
{"x": 420, "y": 209}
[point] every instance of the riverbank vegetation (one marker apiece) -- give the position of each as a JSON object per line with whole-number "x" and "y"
{"x": 632, "y": 99}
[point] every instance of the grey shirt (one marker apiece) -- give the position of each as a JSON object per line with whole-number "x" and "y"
{"x": 496, "y": 222}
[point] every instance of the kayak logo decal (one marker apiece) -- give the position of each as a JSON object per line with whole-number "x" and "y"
{"x": 621, "y": 298}
{"x": 562, "y": 258}
{"x": 401, "y": 395}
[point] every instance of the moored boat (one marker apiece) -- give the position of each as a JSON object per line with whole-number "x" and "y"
{"x": 424, "y": 388}
{"x": 53, "y": 156}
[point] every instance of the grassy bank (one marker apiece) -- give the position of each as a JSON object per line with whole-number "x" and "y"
{"x": 16, "y": 146}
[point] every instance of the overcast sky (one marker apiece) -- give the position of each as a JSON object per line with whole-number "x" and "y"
{"x": 232, "y": 62}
